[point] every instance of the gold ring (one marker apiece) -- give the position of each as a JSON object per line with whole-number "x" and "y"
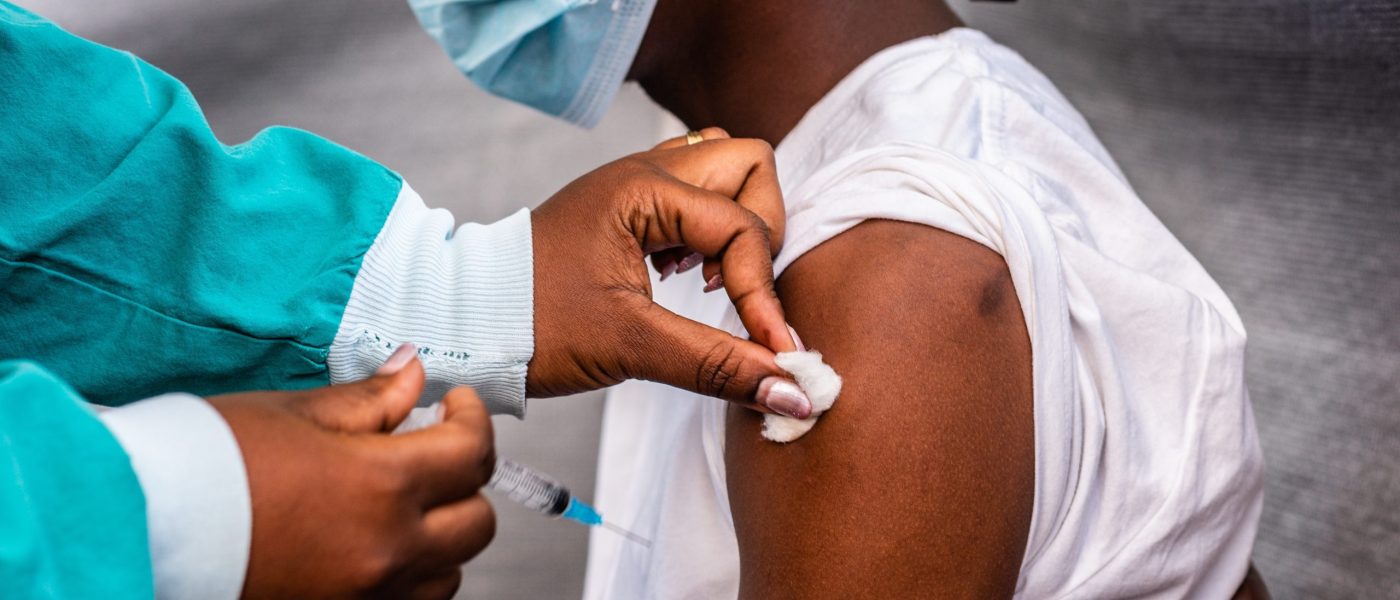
{"x": 693, "y": 137}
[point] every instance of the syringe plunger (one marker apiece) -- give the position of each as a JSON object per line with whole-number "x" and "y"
{"x": 539, "y": 493}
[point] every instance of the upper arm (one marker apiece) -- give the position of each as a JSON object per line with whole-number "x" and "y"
{"x": 920, "y": 480}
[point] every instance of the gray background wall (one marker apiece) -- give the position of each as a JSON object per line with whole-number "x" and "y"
{"x": 1266, "y": 135}
{"x": 1263, "y": 132}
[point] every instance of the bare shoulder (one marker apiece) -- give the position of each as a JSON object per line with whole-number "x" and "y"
{"x": 920, "y": 481}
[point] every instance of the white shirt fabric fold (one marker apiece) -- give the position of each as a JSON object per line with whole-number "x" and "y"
{"x": 1148, "y": 467}
{"x": 198, "y": 510}
{"x": 463, "y": 295}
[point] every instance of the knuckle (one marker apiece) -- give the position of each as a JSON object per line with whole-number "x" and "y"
{"x": 763, "y": 228}
{"x": 719, "y": 369}
{"x": 633, "y": 167}
{"x": 467, "y": 406}
{"x": 637, "y": 193}
{"x": 760, "y": 147}
{"x": 309, "y": 404}
{"x": 745, "y": 298}
{"x": 754, "y": 221}
{"x": 389, "y": 480}
{"x": 629, "y": 161}
{"x": 462, "y": 447}
{"x": 465, "y": 394}
{"x": 625, "y": 175}
{"x": 486, "y": 439}
{"x": 488, "y": 523}
{"x": 450, "y": 583}
{"x": 467, "y": 448}
{"x": 374, "y": 567}
{"x": 714, "y": 133}
{"x": 371, "y": 387}
{"x": 759, "y": 227}
{"x": 488, "y": 465}
{"x": 481, "y": 453}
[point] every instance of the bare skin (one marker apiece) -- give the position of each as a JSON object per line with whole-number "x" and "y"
{"x": 920, "y": 482}
{"x": 754, "y": 68}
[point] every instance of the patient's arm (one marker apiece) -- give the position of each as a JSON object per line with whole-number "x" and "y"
{"x": 919, "y": 482}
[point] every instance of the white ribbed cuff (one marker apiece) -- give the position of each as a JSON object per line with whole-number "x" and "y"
{"x": 199, "y": 514}
{"x": 465, "y": 298}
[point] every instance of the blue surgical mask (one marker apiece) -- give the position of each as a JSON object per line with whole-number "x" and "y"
{"x": 564, "y": 57}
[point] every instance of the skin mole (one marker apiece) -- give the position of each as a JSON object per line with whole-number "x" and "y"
{"x": 994, "y": 292}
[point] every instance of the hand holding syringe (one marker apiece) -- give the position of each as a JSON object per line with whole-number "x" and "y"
{"x": 531, "y": 489}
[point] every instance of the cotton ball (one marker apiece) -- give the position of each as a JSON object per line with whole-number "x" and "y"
{"x": 818, "y": 380}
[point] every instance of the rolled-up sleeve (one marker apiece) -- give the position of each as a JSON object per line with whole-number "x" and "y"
{"x": 464, "y": 295}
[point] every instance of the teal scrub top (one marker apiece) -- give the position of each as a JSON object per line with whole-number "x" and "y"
{"x": 72, "y": 515}
{"x": 139, "y": 255}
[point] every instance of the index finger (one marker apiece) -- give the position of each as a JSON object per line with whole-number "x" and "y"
{"x": 717, "y": 228}
{"x": 451, "y": 460}
{"x": 747, "y": 270}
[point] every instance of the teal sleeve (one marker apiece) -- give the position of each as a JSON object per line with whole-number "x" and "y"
{"x": 139, "y": 255}
{"x": 72, "y": 516}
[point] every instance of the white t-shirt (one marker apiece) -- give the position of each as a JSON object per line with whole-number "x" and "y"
{"x": 1147, "y": 463}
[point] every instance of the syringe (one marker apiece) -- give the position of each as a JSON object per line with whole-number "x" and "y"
{"x": 535, "y": 491}
{"x": 543, "y": 494}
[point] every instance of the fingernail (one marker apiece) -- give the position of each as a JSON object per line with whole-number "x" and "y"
{"x": 690, "y": 262}
{"x": 398, "y": 359}
{"x": 714, "y": 283}
{"x": 668, "y": 269}
{"x": 784, "y": 397}
{"x": 796, "y": 341}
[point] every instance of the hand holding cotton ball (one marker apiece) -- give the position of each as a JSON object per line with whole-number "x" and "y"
{"x": 818, "y": 380}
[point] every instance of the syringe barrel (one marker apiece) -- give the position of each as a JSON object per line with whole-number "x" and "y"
{"x": 534, "y": 491}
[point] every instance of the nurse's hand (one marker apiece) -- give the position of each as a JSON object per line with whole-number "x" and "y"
{"x": 342, "y": 509}
{"x": 595, "y": 322}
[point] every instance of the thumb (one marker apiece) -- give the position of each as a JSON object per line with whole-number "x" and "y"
{"x": 705, "y": 360}
{"x": 374, "y": 405}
